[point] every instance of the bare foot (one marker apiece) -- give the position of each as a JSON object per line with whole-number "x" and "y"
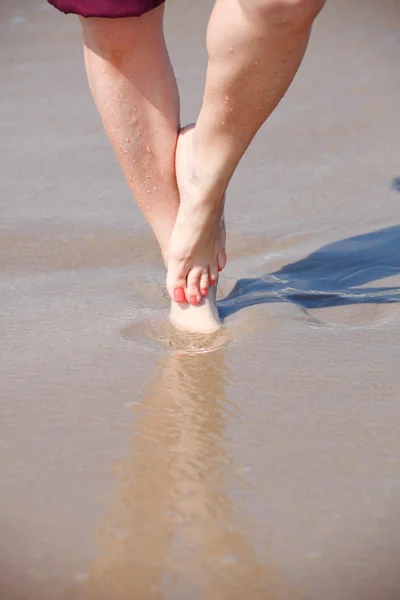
{"x": 186, "y": 262}
{"x": 197, "y": 246}
{"x": 202, "y": 318}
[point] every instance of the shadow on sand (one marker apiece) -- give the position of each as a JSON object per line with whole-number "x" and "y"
{"x": 334, "y": 275}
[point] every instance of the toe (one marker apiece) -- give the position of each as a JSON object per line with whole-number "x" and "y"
{"x": 192, "y": 290}
{"x": 213, "y": 273}
{"x": 204, "y": 282}
{"x": 176, "y": 282}
{"x": 221, "y": 260}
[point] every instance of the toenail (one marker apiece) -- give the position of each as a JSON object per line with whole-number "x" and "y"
{"x": 212, "y": 282}
{"x": 179, "y": 295}
{"x": 219, "y": 269}
{"x": 203, "y": 292}
{"x": 193, "y": 300}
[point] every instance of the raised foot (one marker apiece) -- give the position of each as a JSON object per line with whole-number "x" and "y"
{"x": 197, "y": 247}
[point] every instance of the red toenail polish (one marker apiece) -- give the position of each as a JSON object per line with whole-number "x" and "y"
{"x": 203, "y": 292}
{"x": 212, "y": 282}
{"x": 219, "y": 269}
{"x": 193, "y": 300}
{"x": 179, "y": 295}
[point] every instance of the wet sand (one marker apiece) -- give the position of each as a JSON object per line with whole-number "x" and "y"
{"x": 263, "y": 463}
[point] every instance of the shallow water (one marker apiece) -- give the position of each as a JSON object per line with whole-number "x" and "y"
{"x": 263, "y": 462}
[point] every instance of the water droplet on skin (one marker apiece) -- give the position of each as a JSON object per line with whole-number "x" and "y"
{"x": 127, "y": 140}
{"x": 81, "y": 577}
{"x": 149, "y": 191}
{"x": 121, "y": 534}
{"x": 154, "y": 188}
{"x": 147, "y": 148}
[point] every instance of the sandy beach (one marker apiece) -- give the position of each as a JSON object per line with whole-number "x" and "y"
{"x": 263, "y": 462}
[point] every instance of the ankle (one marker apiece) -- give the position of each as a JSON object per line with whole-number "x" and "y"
{"x": 207, "y": 170}
{"x": 205, "y": 190}
{"x": 201, "y": 180}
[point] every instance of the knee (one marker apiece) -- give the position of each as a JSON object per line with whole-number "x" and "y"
{"x": 295, "y": 14}
{"x": 112, "y": 39}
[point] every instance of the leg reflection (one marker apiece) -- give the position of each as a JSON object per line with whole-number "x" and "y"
{"x": 174, "y": 529}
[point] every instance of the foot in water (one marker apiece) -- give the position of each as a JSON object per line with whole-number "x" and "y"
{"x": 202, "y": 318}
{"x": 197, "y": 247}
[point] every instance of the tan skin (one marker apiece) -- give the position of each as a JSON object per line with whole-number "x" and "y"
{"x": 255, "y": 48}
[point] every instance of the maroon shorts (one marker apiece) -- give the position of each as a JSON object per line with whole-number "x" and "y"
{"x": 110, "y": 9}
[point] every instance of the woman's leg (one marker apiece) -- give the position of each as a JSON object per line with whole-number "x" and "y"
{"x": 255, "y": 48}
{"x": 134, "y": 88}
{"x": 135, "y": 91}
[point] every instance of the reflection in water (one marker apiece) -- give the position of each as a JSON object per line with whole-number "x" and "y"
{"x": 174, "y": 529}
